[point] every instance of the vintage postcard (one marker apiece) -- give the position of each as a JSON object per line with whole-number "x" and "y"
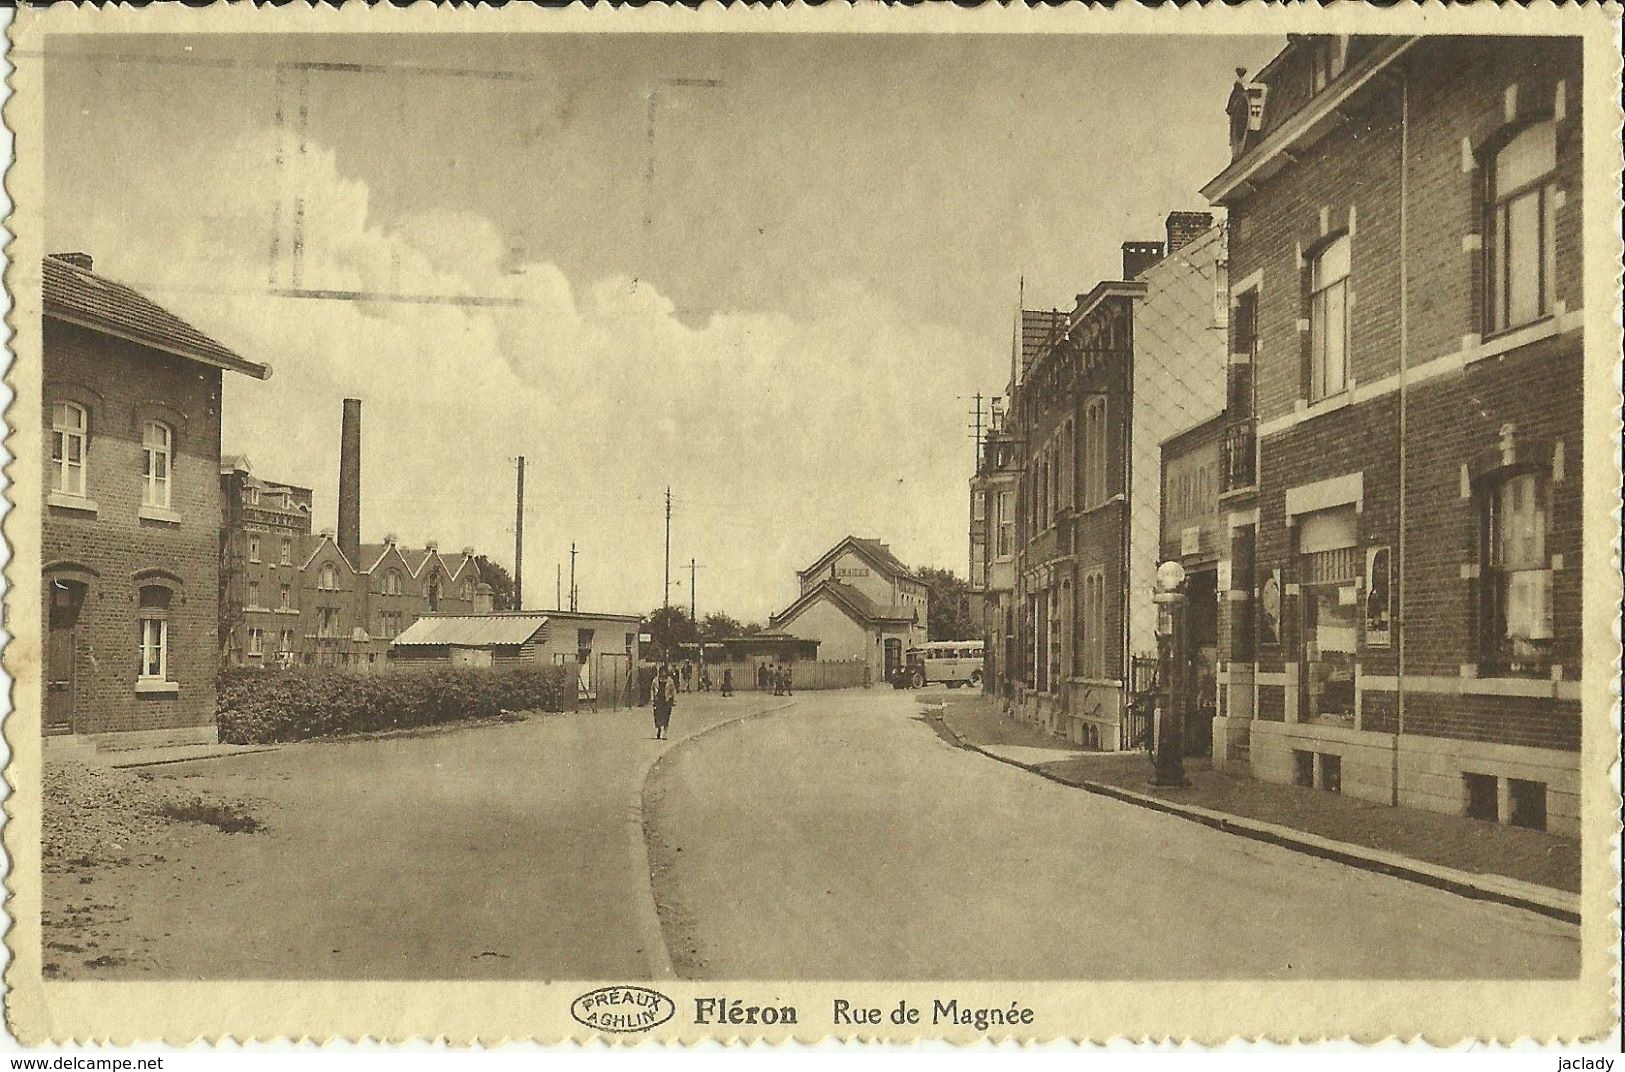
{"x": 1063, "y": 524}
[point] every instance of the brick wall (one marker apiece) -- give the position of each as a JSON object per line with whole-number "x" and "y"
{"x": 114, "y": 550}
{"x": 1462, "y": 95}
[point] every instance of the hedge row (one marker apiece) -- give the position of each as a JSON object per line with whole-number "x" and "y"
{"x": 262, "y": 705}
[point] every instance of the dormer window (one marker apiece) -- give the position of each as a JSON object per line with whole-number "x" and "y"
{"x": 1326, "y": 57}
{"x": 1246, "y": 110}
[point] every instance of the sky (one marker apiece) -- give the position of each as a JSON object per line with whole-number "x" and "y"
{"x": 767, "y": 271}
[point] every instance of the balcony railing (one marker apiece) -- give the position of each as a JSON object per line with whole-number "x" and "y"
{"x": 1239, "y": 455}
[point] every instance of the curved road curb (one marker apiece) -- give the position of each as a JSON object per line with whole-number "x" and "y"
{"x": 1555, "y": 904}
{"x": 657, "y": 953}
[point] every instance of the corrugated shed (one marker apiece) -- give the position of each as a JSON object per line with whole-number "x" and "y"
{"x": 472, "y": 630}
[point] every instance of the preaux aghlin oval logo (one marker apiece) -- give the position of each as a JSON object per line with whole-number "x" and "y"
{"x": 623, "y": 1008}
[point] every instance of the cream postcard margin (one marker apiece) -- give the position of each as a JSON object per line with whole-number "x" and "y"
{"x": 465, "y": 1013}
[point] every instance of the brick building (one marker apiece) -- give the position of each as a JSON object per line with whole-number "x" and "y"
{"x": 291, "y": 597}
{"x": 993, "y": 554}
{"x": 1135, "y": 361}
{"x": 1402, "y": 452}
{"x": 131, "y": 515}
{"x": 264, "y": 538}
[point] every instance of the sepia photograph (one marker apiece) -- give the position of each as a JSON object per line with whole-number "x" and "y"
{"x": 677, "y": 518}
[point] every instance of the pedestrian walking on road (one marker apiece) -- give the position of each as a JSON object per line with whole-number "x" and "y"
{"x": 727, "y": 681}
{"x": 665, "y": 697}
{"x": 761, "y": 676}
{"x": 787, "y": 690}
{"x": 688, "y": 676}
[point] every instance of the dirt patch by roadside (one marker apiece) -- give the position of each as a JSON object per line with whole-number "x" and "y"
{"x": 97, "y": 815}
{"x": 99, "y": 821}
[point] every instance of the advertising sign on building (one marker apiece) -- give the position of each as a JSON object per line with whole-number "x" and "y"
{"x": 1378, "y": 606}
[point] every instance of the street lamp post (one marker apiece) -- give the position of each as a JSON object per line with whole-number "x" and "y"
{"x": 1169, "y": 767}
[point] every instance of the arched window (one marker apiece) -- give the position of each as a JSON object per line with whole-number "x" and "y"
{"x": 468, "y": 590}
{"x": 392, "y": 583}
{"x": 70, "y": 433}
{"x": 1069, "y": 467}
{"x": 1519, "y": 253}
{"x": 1094, "y": 453}
{"x": 433, "y": 594}
{"x": 157, "y": 452}
{"x": 152, "y": 622}
{"x": 1517, "y": 574}
{"x": 329, "y": 579}
{"x": 1329, "y": 319}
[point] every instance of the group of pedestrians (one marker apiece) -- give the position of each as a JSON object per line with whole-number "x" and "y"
{"x": 671, "y": 680}
{"x": 690, "y": 679}
{"x": 772, "y": 676}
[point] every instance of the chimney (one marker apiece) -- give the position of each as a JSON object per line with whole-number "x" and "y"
{"x": 350, "y": 481}
{"x": 78, "y": 260}
{"x": 1138, "y": 256}
{"x": 1185, "y": 227}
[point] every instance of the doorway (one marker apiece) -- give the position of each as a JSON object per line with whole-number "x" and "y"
{"x": 894, "y": 656}
{"x": 66, "y": 600}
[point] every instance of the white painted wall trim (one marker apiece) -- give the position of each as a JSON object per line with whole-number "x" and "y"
{"x": 1470, "y": 350}
{"x": 1528, "y": 687}
{"x": 1326, "y": 494}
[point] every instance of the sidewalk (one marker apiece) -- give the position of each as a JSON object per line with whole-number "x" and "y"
{"x": 1426, "y": 846}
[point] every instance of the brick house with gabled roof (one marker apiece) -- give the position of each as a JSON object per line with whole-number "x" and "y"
{"x": 349, "y": 612}
{"x": 131, "y": 520}
{"x": 395, "y": 593}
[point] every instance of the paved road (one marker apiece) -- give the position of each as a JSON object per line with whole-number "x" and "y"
{"x": 835, "y": 838}
{"x": 495, "y": 851}
{"x": 842, "y": 838}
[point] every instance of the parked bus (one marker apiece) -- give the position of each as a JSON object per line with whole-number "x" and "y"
{"x": 949, "y": 662}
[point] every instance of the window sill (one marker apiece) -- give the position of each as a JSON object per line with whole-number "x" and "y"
{"x": 286, "y": 610}
{"x": 1330, "y": 404}
{"x": 71, "y": 502}
{"x": 159, "y": 513}
{"x": 1500, "y": 342}
{"x": 155, "y": 687}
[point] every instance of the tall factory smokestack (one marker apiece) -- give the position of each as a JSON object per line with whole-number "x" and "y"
{"x": 350, "y": 482}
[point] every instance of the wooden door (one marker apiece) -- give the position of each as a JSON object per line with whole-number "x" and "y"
{"x": 67, "y": 599}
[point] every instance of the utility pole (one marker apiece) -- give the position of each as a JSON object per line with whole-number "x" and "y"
{"x": 976, "y": 426}
{"x": 572, "y": 575}
{"x": 558, "y": 586}
{"x": 519, "y": 541}
{"x": 665, "y": 590}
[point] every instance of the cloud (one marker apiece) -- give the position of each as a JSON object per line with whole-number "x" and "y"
{"x": 777, "y": 434}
